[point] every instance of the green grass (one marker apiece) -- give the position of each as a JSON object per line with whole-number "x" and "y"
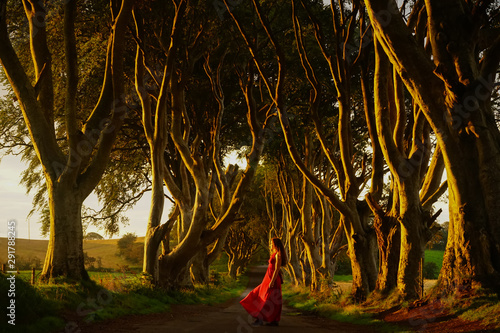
{"x": 138, "y": 298}
{"x": 342, "y": 278}
{"x": 35, "y": 311}
{"x": 24, "y": 275}
{"x": 63, "y": 307}
{"x": 435, "y": 256}
{"x": 91, "y": 302}
{"x": 98, "y": 277}
{"x": 330, "y": 305}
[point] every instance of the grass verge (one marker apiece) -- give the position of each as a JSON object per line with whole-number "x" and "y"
{"x": 333, "y": 305}
{"x": 479, "y": 310}
{"x": 483, "y": 306}
{"x": 63, "y": 306}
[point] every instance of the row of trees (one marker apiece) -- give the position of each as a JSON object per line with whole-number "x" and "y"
{"x": 354, "y": 110}
{"x": 452, "y": 108}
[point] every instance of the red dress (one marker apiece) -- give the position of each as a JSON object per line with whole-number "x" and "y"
{"x": 263, "y": 302}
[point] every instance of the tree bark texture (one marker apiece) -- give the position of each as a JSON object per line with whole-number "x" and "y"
{"x": 65, "y": 250}
{"x": 360, "y": 237}
{"x": 453, "y": 91}
{"x": 70, "y": 176}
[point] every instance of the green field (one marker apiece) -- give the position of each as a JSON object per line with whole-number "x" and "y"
{"x": 435, "y": 256}
{"x": 342, "y": 278}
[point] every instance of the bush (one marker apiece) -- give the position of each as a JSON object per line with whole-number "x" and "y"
{"x": 431, "y": 270}
{"x": 129, "y": 249}
{"x": 343, "y": 266}
{"x": 93, "y": 236}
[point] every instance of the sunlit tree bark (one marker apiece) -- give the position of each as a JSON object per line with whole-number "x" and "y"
{"x": 360, "y": 236}
{"x": 156, "y": 135}
{"x": 453, "y": 91}
{"x": 71, "y": 173}
{"x": 189, "y": 164}
{"x": 199, "y": 236}
{"x": 291, "y": 223}
{"x": 405, "y": 167}
{"x": 240, "y": 249}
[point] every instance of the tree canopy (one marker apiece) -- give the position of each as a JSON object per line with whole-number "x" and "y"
{"x": 354, "y": 117}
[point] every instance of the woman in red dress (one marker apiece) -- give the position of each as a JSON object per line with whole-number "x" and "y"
{"x": 264, "y": 302}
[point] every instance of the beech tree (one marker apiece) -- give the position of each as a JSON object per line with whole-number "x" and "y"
{"x": 290, "y": 218}
{"x": 185, "y": 138}
{"x": 240, "y": 248}
{"x": 309, "y": 226}
{"x": 360, "y": 236}
{"x": 408, "y": 225}
{"x": 453, "y": 89}
{"x": 71, "y": 169}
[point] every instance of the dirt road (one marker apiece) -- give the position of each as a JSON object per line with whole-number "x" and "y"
{"x": 226, "y": 318}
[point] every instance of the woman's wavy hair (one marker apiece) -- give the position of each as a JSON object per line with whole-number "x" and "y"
{"x": 277, "y": 242}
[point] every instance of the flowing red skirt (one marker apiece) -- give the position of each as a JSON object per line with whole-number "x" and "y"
{"x": 263, "y": 302}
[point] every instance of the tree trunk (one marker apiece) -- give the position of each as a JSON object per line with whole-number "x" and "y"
{"x": 308, "y": 237}
{"x": 173, "y": 272}
{"x": 295, "y": 269}
{"x": 329, "y": 249}
{"x": 364, "y": 269}
{"x": 151, "y": 244}
{"x": 70, "y": 176}
{"x": 236, "y": 266}
{"x": 233, "y": 268}
{"x": 200, "y": 268}
{"x": 453, "y": 91}
{"x": 65, "y": 250}
{"x": 314, "y": 262}
{"x": 471, "y": 258}
{"x": 413, "y": 242}
{"x": 389, "y": 240}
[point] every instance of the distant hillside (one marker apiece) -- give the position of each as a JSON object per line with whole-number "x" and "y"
{"x": 105, "y": 249}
